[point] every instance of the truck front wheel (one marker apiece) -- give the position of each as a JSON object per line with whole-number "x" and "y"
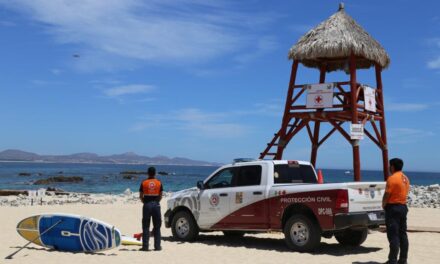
{"x": 184, "y": 227}
{"x": 301, "y": 233}
{"x": 351, "y": 237}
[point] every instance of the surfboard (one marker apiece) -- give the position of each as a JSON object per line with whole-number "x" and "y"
{"x": 71, "y": 233}
{"x": 130, "y": 241}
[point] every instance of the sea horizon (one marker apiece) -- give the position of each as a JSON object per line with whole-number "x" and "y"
{"x": 201, "y": 165}
{"x": 108, "y": 178}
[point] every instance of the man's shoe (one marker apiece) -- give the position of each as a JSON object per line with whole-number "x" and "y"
{"x": 143, "y": 249}
{"x": 402, "y": 262}
{"x": 158, "y": 249}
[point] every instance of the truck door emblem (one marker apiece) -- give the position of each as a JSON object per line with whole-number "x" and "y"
{"x": 239, "y": 197}
{"x": 214, "y": 200}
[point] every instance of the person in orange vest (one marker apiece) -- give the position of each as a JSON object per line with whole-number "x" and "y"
{"x": 394, "y": 203}
{"x": 150, "y": 194}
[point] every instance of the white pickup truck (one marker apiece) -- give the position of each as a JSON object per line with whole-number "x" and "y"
{"x": 276, "y": 195}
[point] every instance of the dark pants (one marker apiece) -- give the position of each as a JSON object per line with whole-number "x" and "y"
{"x": 151, "y": 210}
{"x": 395, "y": 220}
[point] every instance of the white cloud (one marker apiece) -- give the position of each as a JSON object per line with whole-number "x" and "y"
{"x": 158, "y": 31}
{"x": 39, "y": 82}
{"x": 406, "y": 107}
{"x": 273, "y": 107}
{"x": 405, "y": 135}
{"x": 209, "y": 124}
{"x": 56, "y": 71}
{"x": 196, "y": 122}
{"x": 434, "y": 64}
{"x": 146, "y": 99}
{"x": 107, "y": 81}
{"x": 139, "y": 126}
{"x": 263, "y": 46}
{"x": 128, "y": 90}
{"x": 43, "y": 83}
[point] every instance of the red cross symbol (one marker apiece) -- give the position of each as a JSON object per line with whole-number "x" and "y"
{"x": 318, "y": 99}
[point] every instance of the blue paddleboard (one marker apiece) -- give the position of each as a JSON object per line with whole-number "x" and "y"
{"x": 71, "y": 233}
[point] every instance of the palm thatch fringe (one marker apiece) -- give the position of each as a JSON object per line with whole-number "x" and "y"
{"x": 334, "y": 40}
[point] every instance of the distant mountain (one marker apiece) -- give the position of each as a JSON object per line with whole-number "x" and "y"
{"x": 124, "y": 158}
{"x": 12, "y": 154}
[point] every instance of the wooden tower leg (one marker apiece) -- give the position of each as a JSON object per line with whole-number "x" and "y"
{"x": 354, "y": 118}
{"x": 315, "y": 143}
{"x": 286, "y": 117}
{"x": 383, "y": 131}
{"x": 316, "y": 129}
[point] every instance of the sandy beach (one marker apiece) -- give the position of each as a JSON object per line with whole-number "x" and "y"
{"x": 125, "y": 213}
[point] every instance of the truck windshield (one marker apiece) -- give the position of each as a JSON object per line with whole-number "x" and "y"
{"x": 284, "y": 173}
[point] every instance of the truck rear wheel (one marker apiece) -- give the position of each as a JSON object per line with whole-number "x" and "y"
{"x": 301, "y": 233}
{"x": 351, "y": 237}
{"x": 184, "y": 227}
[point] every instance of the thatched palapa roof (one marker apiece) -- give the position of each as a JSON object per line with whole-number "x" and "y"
{"x": 334, "y": 40}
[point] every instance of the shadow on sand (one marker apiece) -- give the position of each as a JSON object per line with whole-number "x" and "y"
{"x": 274, "y": 244}
{"x": 368, "y": 262}
{"x": 67, "y": 252}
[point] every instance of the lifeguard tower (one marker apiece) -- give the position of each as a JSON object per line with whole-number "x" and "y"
{"x": 337, "y": 44}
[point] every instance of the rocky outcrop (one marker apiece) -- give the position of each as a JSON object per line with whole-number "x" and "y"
{"x": 71, "y": 179}
{"x": 134, "y": 172}
{"x": 127, "y": 197}
{"x": 424, "y": 196}
{"x": 28, "y": 174}
{"x": 49, "y": 191}
{"x": 129, "y": 177}
{"x": 12, "y": 192}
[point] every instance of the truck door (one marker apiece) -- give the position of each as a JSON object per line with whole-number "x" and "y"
{"x": 214, "y": 199}
{"x": 247, "y": 200}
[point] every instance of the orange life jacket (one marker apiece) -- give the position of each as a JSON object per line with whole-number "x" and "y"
{"x": 397, "y": 187}
{"x": 151, "y": 187}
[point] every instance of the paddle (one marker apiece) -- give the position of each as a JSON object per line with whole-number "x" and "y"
{"x": 45, "y": 231}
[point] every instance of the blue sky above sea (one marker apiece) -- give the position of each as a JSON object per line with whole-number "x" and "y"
{"x": 200, "y": 79}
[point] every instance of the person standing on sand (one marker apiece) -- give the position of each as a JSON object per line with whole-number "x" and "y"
{"x": 150, "y": 194}
{"x": 394, "y": 203}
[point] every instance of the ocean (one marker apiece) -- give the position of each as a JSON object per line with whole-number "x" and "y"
{"x": 106, "y": 178}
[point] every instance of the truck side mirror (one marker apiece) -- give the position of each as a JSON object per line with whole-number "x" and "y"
{"x": 200, "y": 185}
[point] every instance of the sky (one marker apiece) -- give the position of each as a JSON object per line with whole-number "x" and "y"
{"x": 201, "y": 79}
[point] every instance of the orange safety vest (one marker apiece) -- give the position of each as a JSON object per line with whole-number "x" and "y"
{"x": 397, "y": 187}
{"x": 151, "y": 187}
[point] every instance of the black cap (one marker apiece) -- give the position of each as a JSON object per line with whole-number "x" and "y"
{"x": 151, "y": 171}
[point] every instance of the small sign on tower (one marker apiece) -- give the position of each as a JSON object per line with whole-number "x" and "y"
{"x": 370, "y": 99}
{"x": 356, "y": 131}
{"x": 320, "y": 95}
